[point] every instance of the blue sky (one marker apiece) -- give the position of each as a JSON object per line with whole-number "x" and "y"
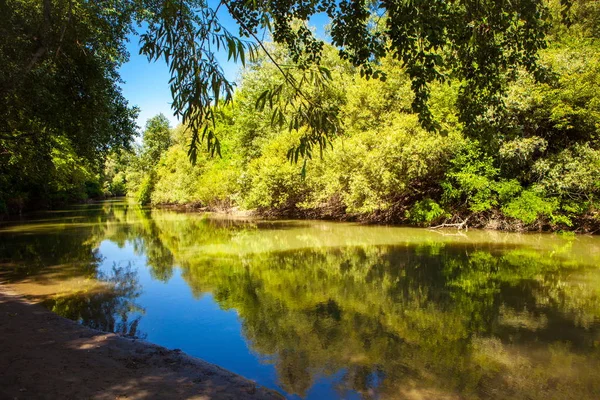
{"x": 147, "y": 84}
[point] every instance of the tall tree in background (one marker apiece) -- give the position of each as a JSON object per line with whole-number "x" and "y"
{"x": 157, "y": 139}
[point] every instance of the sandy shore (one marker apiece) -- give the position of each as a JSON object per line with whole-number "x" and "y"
{"x": 45, "y": 356}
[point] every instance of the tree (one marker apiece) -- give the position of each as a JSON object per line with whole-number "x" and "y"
{"x": 59, "y": 73}
{"x": 59, "y": 93}
{"x": 157, "y": 139}
{"x": 480, "y": 43}
{"x": 62, "y": 57}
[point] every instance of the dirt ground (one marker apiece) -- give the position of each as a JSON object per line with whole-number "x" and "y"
{"x": 45, "y": 356}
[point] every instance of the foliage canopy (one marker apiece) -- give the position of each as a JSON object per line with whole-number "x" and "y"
{"x": 60, "y": 83}
{"x": 478, "y": 42}
{"x": 532, "y": 165}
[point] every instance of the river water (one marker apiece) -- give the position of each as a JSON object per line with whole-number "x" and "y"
{"x": 323, "y": 310}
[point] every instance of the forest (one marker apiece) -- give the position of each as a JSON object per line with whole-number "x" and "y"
{"x": 388, "y": 143}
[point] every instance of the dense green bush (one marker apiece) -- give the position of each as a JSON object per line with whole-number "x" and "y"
{"x": 529, "y": 206}
{"x": 372, "y": 170}
{"x": 272, "y": 182}
{"x": 425, "y": 211}
{"x": 471, "y": 179}
{"x": 144, "y": 195}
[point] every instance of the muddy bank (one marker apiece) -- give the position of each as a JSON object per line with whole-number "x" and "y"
{"x": 45, "y": 356}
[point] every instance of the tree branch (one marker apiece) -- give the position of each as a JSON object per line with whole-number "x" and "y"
{"x": 65, "y": 26}
{"x": 287, "y": 76}
{"x": 44, "y": 38}
{"x": 459, "y": 226}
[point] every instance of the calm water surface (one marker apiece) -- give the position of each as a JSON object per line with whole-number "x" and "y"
{"x": 325, "y": 310}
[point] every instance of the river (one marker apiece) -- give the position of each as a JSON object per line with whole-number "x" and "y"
{"x": 323, "y": 310}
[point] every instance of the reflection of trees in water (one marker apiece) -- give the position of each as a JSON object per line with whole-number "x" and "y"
{"x": 134, "y": 224}
{"x": 403, "y": 316}
{"x": 435, "y": 318}
{"x": 477, "y": 320}
{"x": 66, "y": 247}
{"x": 109, "y": 308}
{"x": 23, "y": 255}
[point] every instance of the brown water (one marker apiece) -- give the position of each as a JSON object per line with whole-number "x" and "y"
{"x": 324, "y": 310}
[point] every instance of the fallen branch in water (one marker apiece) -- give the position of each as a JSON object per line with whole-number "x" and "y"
{"x": 459, "y": 226}
{"x": 455, "y": 234}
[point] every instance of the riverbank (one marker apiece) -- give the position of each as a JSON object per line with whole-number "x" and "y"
{"x": 45, "y": 356}
{"x": 586, "y": 224}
